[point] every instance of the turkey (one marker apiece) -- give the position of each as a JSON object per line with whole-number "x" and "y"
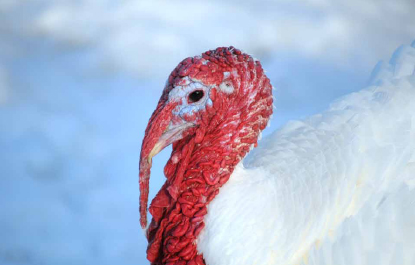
{"x": 335, "y": 188}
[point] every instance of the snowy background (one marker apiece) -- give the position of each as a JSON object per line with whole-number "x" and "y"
{"x": 79, "y": 80}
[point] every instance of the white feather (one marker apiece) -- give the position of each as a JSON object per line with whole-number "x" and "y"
{"x": 337, "y": 188}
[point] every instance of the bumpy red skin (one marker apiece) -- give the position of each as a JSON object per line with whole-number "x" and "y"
{"x": 204, "y": 159}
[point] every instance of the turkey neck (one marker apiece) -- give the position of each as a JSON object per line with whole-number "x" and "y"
{"x": 199, "y": 165}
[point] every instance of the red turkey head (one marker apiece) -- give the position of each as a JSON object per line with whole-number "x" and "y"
{"x": 212, "y": 110}
{"x": 200, "y": 95}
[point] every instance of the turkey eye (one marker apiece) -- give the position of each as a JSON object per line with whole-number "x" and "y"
{"x": 195, "y": 96}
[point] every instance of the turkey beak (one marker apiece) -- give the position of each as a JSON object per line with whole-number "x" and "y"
{"x": 162, "y": 129}
{"x": 170, "y": 135}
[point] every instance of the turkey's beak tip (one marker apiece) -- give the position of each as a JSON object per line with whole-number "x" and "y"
{"x": 171, "y": 134}
{"x": 156, "y": 149}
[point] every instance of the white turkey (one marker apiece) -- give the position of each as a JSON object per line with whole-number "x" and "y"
{"x": 336, "y": 188}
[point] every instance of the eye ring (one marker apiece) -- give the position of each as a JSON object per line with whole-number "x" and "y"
{"x": 195, "y": 96}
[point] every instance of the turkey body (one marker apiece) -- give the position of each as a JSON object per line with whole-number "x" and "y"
{"x": 336, "y": 188}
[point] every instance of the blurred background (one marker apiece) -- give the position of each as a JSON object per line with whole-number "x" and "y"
{"x": 80, "y": 78}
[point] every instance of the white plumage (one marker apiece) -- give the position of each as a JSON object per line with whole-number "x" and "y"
{"x": 337, "y": 188}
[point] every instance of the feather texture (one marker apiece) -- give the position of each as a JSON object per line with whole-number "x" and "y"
{"x": 336, "y": 188}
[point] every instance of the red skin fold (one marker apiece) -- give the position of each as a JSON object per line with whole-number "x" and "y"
{"x": 203, "y": 160}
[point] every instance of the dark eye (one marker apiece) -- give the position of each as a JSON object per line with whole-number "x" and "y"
{"x": 195, "y": 96}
